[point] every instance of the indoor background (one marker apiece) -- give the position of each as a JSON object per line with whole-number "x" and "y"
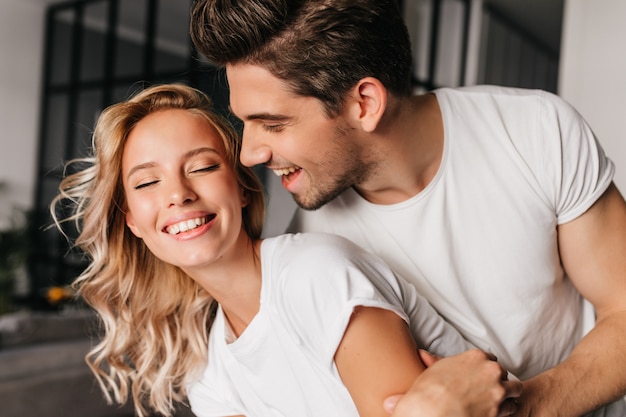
{"x": 62, "y": 62}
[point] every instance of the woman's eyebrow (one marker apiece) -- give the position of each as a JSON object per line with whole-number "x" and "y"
{"x": 199, "y": 151}
{"x": 139, "y": 167}
{"x": 190, "y": 154}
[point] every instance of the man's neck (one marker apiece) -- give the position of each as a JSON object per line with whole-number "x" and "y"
{"x": 409, "y": 151}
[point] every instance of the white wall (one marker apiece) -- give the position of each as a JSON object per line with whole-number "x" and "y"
{"x": 592, "y": 73}
{"x": 21, "y": 56}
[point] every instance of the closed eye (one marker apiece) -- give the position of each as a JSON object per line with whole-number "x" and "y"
{"x": 209, "y": 168}
{"x": 145, "y": 184}
{"x": 273, "y": 128}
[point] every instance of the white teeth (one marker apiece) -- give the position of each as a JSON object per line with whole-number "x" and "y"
{"x": 185, "y": 225}
{"x": 284, "y": 171}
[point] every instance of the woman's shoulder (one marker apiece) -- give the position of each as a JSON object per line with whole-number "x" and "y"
{"x": 302, "y": 246}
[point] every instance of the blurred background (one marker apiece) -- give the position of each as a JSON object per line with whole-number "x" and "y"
{"x": 63, "y": 62}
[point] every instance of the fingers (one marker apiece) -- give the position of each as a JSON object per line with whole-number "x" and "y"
{"x": 513, "y": 388}
{"x": 504, "y": 374}
{"x": 427, "y": 358}
{"x": 390, "y": 403}
{"x": 508, "y": 407}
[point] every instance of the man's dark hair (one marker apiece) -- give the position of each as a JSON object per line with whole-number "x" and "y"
{"x": 321, "y": 48}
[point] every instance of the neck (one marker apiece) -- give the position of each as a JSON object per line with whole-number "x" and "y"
{"x": 408, "y": 148}
{"x": 235, "y": 282}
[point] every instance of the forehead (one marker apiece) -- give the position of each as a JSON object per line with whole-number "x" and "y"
{"x": 253, "y": 89}
{"x": 173, "y": 131}
{"x": 177, "y": 124}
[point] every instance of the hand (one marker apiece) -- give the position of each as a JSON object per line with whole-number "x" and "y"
{"x": 470, "y": 384}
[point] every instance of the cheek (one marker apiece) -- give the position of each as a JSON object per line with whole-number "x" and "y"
{"x": 138, "y": 214}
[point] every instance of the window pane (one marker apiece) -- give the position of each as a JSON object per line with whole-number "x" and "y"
{"x": 172, "y": 40}
{"x": 94, "y": 40}
{"x": 61, "y": 48}
{"x": 55, "y": 131}
{"x": 130, "y": 38}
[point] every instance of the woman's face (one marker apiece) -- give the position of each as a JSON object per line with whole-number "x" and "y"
{"x": 183, "y": 198}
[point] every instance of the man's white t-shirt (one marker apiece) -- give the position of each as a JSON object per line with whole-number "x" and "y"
{"x": 283, "y": 363}
{"x": 480, "y": 241}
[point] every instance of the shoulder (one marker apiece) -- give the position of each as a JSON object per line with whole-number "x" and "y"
{"x": 505, "y": 99}
{"x": 308, "y": 264}
{"x": 318, "y": 279}
{"x": 331, "y": 218}
{"x": 333, "y": 268}
{"x": 303, "y": 248}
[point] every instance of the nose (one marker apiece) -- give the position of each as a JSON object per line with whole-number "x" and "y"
{"x": 180, "y": 192}
{"x": 254, "y": 150}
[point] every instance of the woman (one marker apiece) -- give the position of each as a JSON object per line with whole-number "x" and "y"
{"x": 293, "y": 325}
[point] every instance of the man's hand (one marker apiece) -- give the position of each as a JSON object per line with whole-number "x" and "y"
{"x": 470, "y": 384}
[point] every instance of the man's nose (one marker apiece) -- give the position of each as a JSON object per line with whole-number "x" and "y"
{"x": 254, "y": 150}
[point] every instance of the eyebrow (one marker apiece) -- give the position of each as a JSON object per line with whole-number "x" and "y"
{"x": 190, "y": 154}
{"x": 264, "y": 116}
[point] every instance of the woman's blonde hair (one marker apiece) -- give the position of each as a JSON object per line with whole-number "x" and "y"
{"x": 155, "y": 318}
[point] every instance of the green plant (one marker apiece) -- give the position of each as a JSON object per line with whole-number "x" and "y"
{"x": 14, "y": 250}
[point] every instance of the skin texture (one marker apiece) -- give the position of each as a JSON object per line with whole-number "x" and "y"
{"x": 164, "y": 177}
{"x": 400, "y": 142}
{"x": 316, "y": 147}
{"x": 370, "y": 366}
{"x": 593, "y": 251}
{"x": 439, "y": 391}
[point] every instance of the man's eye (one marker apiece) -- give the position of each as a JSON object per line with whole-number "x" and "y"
{"x": 209, "y": 168}
{"x": 145, "y": 184}
{"x": 273, "y": 128}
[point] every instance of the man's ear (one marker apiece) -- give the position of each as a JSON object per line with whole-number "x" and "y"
{"x": 130, "y": 222}
{"x": 369, "y": 101}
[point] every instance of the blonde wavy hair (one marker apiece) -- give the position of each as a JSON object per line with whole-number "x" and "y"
{"x": 155, "y": 319}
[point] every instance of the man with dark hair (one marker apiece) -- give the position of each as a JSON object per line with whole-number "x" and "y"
{"x": 496, "y": 203}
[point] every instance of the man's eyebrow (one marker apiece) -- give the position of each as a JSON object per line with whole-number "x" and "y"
{"x": 265, "y": 116}
{"x": 190, "y": 154}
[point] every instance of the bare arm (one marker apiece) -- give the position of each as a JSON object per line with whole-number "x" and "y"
{"x": 470, "y": 384}
{"x": 593, "y": 252}
{"x": 377, "y": 358}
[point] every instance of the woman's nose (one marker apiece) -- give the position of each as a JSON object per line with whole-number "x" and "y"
{"x": 254, "y": 151}
{"x": 180, "y": 192}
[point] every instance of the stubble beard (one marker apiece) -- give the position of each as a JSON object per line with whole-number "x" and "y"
{"x": 344, "y": 154}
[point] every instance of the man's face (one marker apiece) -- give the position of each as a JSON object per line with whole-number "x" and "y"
{"x": 316, "y": 156}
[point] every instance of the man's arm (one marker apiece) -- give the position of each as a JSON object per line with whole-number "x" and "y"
{"x": 593, "y": 253}
{"x": 470, "y": 384}
{"x": 378, "y": 357}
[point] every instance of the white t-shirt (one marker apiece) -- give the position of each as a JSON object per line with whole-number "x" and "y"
{"x": 283, "y": 363}
{"x": 480, "y": 241}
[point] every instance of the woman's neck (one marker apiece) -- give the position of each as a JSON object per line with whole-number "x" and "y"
{"x": 235, "y": 283}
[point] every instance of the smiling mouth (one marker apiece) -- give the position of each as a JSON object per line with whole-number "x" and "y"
{"x": 282, "y": 172}
{"x": 187, "y": 225}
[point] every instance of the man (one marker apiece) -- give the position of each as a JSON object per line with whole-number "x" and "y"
{"x": 501, "y": 198}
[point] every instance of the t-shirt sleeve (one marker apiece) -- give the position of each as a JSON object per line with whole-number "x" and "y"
{"x": 325, "y": 279}
{"x": 577, "y": 169}
{"x": 207, "y": 401}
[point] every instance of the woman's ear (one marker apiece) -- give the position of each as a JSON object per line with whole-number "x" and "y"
{"x": 245, "y": 197}
{"x": 130, "y": 222}
{"x": 369, "y": 101}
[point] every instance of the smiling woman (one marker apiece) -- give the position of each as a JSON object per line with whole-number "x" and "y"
{"x": 143, "y": 317}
